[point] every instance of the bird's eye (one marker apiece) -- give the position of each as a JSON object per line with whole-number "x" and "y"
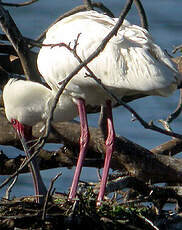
{"x": 13, "y": 121}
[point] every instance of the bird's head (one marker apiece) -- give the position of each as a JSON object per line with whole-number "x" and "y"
{"x": 23, "y": 131}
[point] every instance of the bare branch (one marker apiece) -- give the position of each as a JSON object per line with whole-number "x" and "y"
{"x": 142, "y": 15}
{"x": 177, "y": 111}
{"x": 48, "y": 195}
{"x": 169, "y": 148}
{"x": 177, "y": 48}
{"x": 19, "y": 4}
{"x": 8, "y": 190}
{"x": 138, "y": 161}
{"x": 13, "y": 34}
{"x": 151, "y": 191}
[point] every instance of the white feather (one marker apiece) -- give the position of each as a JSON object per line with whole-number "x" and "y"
{"x": 131, "y": 62}
{"x": 29, "y": 103}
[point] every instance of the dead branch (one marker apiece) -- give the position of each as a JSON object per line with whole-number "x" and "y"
{"x": 138, "y": 161}
{"x": 177, "y": 48}
{"x": 64, "y": 157}
{"x": 177, "y": 111}
{"x": 48, "y": 195}
{"x": 169, "y": 148}
{"x": 150, "y": 192}
{"x": 14, "y": 36}
{"x": 19, "y": 4}
{"x": 141, "y": 13}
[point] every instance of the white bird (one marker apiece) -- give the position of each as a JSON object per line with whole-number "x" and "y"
{"x": 130, "y": 63}
{"x": 27, "y": 103}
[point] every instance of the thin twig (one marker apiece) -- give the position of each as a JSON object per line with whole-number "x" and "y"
{"x": 177, "y": 111}
{"x": 177, "y": 48}
{"x": 19, "y": 4}
{"x": 48, "y": 195}
{"x": 8, "y": 190}
{"x": 149, "y": 222}
{"x": 165, "y": 125}
{"x": 142, "y": 14}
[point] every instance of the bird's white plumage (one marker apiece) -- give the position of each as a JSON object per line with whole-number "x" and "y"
{"x": 28, "y": 102}
{"x": 131, "y": 62}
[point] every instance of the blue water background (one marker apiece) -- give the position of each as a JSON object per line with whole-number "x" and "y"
{"x": 165, "y": 23}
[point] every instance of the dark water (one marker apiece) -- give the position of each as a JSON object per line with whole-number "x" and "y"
{"x": 165, "y": 23}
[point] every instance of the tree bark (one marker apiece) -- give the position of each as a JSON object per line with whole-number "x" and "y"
{"x": 138, "y": 161}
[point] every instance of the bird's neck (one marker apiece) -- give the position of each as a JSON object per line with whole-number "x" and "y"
{"x": 27, "y": 132}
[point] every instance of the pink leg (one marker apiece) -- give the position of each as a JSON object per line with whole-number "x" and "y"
{"x": 84, "y": 139}
{"x": 40, "y": 189}
{"x": 109, "y": 150}
{"x": 25, "y": 134}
